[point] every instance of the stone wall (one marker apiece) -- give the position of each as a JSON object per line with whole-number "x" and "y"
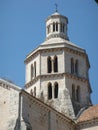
{"x": 9, "y": 104}
{"x": 41, "y": 116}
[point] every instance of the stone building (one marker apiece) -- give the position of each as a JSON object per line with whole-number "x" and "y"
{"x": 9, "y": 104}
{"x": 57, "y": 89}
{"x": 57, "y": 70}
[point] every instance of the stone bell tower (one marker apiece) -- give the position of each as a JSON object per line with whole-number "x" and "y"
{"x": 57, "y": 71}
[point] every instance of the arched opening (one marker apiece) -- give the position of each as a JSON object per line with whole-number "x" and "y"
{"x": 55, "y": 64}
{"x": 35, "y": 69}
{"x": 61, "y": 26}
{"x": 53, "y": 27}
{"x": 72, "y": 65}
{"x": 73, "y": 92}
{"x": 56, "y": 26}
{"x": 56, "y": 90}
{"x": 48, "y": 29}
{"x": 49, "y": 91}
{"x": 49, "y": 64}
{"x": 32, "y": 71}
{"x": 78, "y": 94}
{"x": 76, "y": 67}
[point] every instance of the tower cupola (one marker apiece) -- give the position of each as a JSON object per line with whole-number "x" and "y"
{"x": 56, "y": 26}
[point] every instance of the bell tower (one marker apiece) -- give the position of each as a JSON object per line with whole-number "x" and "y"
{"x": 56, "y": 26}
{"x": 57, "y": 71}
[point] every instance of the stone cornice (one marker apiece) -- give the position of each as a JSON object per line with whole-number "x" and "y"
{"x": 83, "y": 124}
{"x": 8, "y": 85}
{"x": 68, "y": 75}
{"x": 33, "y": 55}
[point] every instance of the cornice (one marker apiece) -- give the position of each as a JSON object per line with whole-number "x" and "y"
{"x": 61, "y": 117}
{"x": 7, "y": 85}
{"x": 33, "y": 55}
{"x": 47, "y": 76}
{"x": 84, "y": 124}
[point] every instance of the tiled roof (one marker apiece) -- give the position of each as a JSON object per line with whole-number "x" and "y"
{"x": 89, "y": 114}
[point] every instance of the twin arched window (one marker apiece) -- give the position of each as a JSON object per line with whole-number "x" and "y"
{"x": 75, "y": 93}
{"x": 52, "y": 65}
{"x": 52, "y": 91}
{"x": 55, "y": 27}
{"x": 74, "y": 66}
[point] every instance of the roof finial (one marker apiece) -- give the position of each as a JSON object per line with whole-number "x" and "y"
{"x": 56, "y": 7}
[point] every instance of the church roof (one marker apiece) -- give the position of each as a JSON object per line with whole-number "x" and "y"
{"x": 60, "y": 42}
{"x": 57, "y": 43}
{"x": 89, "y": 114}
{"x": 56, "y": 14}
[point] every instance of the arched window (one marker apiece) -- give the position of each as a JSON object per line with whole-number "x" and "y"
{"x": 35, "y": 91}
{"x": 55, "y": 64}
{"x": 76, "y": 67}
{"x": 72, "y": 65}
{"x": 49, "y": 64}
{"x": 61, "y": 26}
{"x": 56, "y": 26}
{"x": 48, "y": 29}
{"x": 56, "y": 90}
{"x": 78, "y": 94}
{"x": 34, "y": 69}
{"x": 49, "y": 91}
{"x": 73, "y": 91}
{"x": 53, "y": 27}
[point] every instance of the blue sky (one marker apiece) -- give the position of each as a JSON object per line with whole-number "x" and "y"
{"x": 22, "y": 29}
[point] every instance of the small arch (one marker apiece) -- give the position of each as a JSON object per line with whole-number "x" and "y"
{"x": 49, "y": 64}
{"x": 32, "y": 71}
{"x": 61, "y": 27}
{"x": 56, "y": 90}
{"x": 73, "y": 91}
{"x": 76, "y": 67}
{"x": 55, "y": 64}
{"x": 53, "y": 27}
{"x": 48, "y": 29}
{"x": 72, "y": 65}
{"x": 49, "y": 91}
{"x": 35, "y": 68}
{"x": 56, "y": 26}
